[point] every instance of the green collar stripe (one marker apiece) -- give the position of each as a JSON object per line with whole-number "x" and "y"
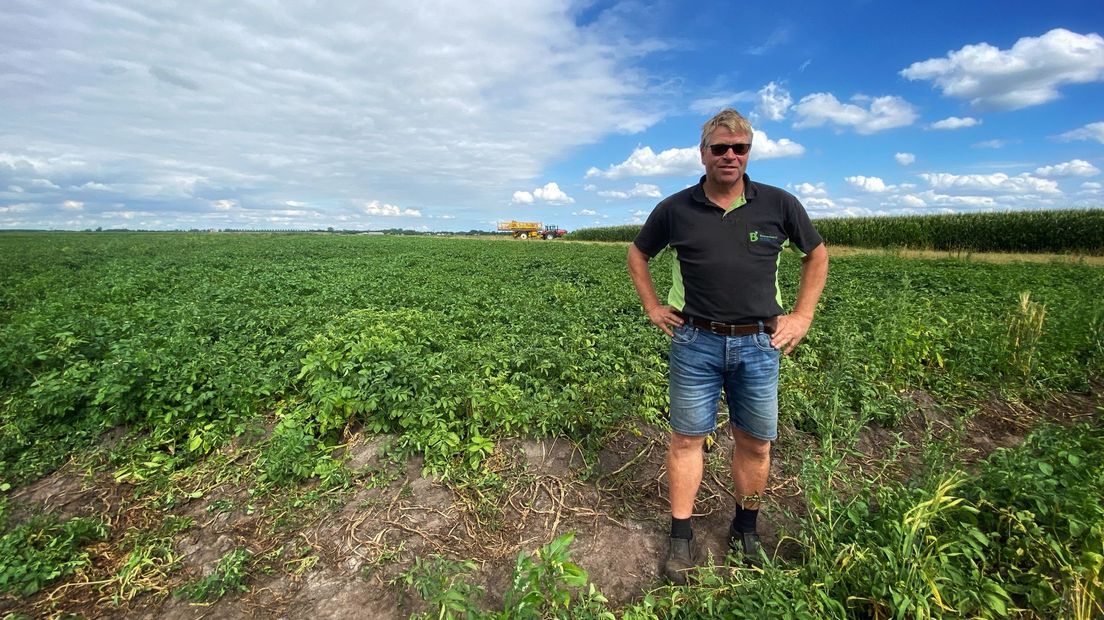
{"x": 736, "y": 204}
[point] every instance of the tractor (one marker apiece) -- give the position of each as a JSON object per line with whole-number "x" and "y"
{"x": 531, "y": 230}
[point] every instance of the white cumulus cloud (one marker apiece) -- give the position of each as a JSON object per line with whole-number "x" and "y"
{"x": 954, "y": 122}
{"x": 808, "y": 190}
{"x": 873, "y": 185}
{"x": 72, "y": 205}
{"x": 551, "y": 192}
{"x": 1072, "y": 168}
{"x": 818, "y": 203}
{"x": 373, "y": 207}
{"x": 999, "y": 182}
{"x": 644, "y": 162}
{"x": 646, "y": 190}
{"x": 911, "y": 201}
{"x": 764, "y": 148}
{"x": 1030, "y": 73}
{"x": 1092, "y": 131}
{"x": 813, "y": 195}
{"x": 904, "y": 158}
{"x": 933, "y": 199}
{"x": 774, "y": 102}
{"x": 880, "y": 114}
{"x": 640, "y": 190}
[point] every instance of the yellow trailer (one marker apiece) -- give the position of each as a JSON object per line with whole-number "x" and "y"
{"x": 531, "y": 230}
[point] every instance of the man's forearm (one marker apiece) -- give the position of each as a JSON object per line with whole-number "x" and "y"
{"x": 663, "y": 317}
{"x": 642, "y": 278}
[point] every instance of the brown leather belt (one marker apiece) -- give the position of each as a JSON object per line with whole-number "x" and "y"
{"x": 730, "y": 329}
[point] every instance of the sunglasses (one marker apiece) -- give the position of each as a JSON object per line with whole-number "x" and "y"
{"x": 720, "y": 149}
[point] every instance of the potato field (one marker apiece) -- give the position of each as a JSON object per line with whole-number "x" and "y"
{"x": 313, "y": 425}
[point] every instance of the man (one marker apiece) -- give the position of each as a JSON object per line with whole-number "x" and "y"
{"x": 726, "y": 323}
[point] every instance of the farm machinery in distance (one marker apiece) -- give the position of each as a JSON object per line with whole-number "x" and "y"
{"x": 531, "y": 230}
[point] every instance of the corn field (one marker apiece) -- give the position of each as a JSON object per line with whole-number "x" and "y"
{"x": 1062, "y": 231}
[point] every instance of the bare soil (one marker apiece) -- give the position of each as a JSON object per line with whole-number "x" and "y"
{"x": 342, "y": 554}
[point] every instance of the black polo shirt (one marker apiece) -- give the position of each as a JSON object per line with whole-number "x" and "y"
{"x": 726, "y": 263}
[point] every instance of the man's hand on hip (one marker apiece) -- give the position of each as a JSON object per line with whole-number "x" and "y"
{"x": 665, "y": 317}
{"x": 790, "y": 332}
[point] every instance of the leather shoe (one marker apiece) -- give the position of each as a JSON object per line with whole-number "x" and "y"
{"x": 680, "y": 559}
{"x": 746, "y": 544}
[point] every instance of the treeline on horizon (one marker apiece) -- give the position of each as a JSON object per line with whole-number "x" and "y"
{"x": 1059, "y": 231}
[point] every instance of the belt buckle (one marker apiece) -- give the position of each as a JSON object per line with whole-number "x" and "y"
{"x": 718, "y": 328}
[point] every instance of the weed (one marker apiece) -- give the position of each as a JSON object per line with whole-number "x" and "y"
{"x": 547, "y": 584}
{"x": 221, "y": 505}
{"x": 229, "y": 576}
{"x": 148, "y": 563}
{"x": 1024, "y": 536}
{"x": 440, "y": 582}
{"x": 43, "y": 549}
{"x": 385, "y": 557}
{"x": 1041, "y": 503}
{"x": 1025, "y": 331}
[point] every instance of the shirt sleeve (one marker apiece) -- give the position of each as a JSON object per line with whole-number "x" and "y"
{"x": 799, "y": 228}
{"x": 656, "y": 232}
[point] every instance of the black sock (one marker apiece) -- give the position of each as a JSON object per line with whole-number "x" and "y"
{"x": 744, "y": 521}
{"x": 680, "y": 528}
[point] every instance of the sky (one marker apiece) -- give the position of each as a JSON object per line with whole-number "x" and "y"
{"x": 452, "y": 116}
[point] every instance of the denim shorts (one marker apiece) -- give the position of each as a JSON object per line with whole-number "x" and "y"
{"x": 702, "y": 363}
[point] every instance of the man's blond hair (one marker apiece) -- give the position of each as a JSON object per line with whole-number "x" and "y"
{"x": 729, "y": 119}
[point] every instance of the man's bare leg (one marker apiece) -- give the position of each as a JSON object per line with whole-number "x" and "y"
{"x": 750, "y": 468}
{"x": 684, "y": 473}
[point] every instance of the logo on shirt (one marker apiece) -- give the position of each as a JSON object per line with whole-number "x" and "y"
{"x": 755, "y": 235}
